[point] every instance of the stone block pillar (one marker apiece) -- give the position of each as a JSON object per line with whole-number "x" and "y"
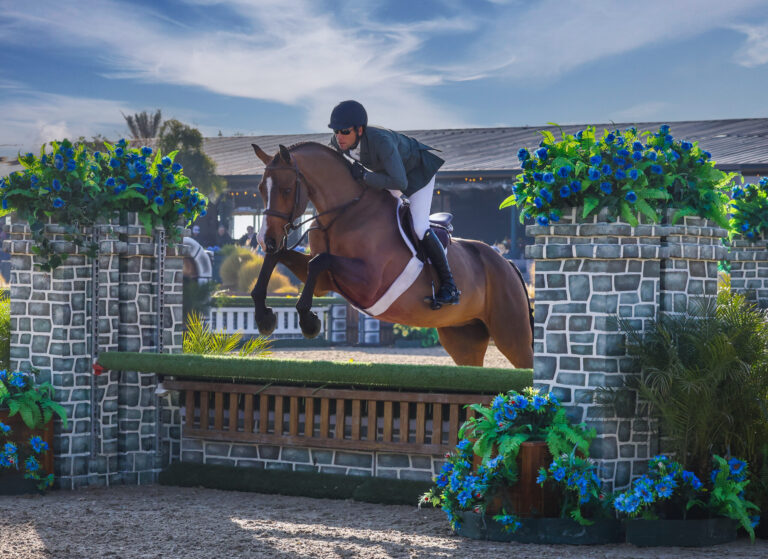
{"x": 749, "y": 270}
{"x": 62, "y": 320}
{"x": 588, "y": 275}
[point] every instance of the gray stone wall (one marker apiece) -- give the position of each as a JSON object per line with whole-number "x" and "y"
{"x": 589, "y": 275}
{"x": 303, "y": 459}
{"x": 749, "y": 270}
{"x": 61, "y": 321}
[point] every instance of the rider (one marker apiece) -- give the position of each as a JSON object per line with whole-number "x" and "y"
{"x": 393, "y": 161}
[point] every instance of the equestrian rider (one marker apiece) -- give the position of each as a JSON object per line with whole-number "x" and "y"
{"x": 389, "y": 160}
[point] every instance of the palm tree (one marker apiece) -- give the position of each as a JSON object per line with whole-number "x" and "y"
{"x": 143, "y": 125}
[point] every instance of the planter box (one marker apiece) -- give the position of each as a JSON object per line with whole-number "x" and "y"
{"x": 12, "y": 481}
{"x": 549, "y": 531}
{"x": 682, "y": 533}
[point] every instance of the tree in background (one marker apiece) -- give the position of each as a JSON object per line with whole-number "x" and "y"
{"x": 200, "y": 168}
{"x": 144, "y": 125}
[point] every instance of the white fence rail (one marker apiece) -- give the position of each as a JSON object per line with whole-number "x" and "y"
{"x": 241, "y": 319}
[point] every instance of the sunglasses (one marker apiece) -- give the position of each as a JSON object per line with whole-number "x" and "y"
{"x": 345, "y": 132}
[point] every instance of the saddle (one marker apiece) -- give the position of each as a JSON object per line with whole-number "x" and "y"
{"x": 439, "y": 222}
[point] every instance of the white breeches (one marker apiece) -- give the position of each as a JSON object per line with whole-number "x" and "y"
{"x": 421, "y": 204}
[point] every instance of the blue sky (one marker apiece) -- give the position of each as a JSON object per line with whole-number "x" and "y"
{"x": 261, "y": 67}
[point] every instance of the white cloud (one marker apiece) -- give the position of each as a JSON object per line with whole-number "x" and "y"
{"x": 755, "y": 50}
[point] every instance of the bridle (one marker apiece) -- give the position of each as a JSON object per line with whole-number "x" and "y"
{"x": 289, "y": 217}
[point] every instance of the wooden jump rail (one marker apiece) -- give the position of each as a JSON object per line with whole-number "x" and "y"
{"x": 328, "y": 418}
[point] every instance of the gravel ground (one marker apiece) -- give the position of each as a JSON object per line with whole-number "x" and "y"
{"x": 169, "y": 522}
{"x": 426, "y": 356}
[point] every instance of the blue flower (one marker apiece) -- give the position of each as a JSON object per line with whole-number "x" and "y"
{"x": 537, "y": 176}
{"x": 71, "y": 165}
{"x": 114, "y": 163}
{"x": 554, "y": 218}
{"x": 17, "y": 380}
{"x": 737, "y": 466}
{"x": 523, "y": 154}
{"x": 692, "y": 480}
{"x": 543, "y": 220}
{"x": 631, "y": 197}
{"x": 564, "y": 171}
{"x": 56, "y": 184}
{"x": 664, "y": 129}
{"x": 651, "y": 155}
{"x": 498, "y": 402}
{"x": 110, "y": 182}
{"x": 606, "y": 187}
{"x": 32, "y": 465}
{"x": 538, "y": 402}
{"x": 176, "y": 167}
{"x": 547, "y": 195}
{"x": 520, "y": 401}
{"x": 565, "y": 191}
{"x": 610, "y": 138}
{"x": 464, "y": 497}
{"x": 593, "y": 173}
{"x": 575, "y": 186}
{"x": 166, "y": 161}
{"x": 146, "y": 151}
{"x": 707, "y": 155}
{"x": 633, "y": 174}
{"x": 620, "y": 175}
{"x": 159, "y": 200}
{"x": 538, "y": 202}
{"x": 38, "y": 444}
{"x": 169, "y": 178}
{"x": 58, "y": 203}
{"x": 606, "y": 169}
{"x": 673, "y": 155}
{"x": 623, "y": 152}
{"x": 656, "y": 169}
{"x": 559, "y": 474}
{"x": 542, "y": 477}
{"x": 637, "y": 146}
{"x": 542, "y": 154}
{"x": 686, "y": 145}
{"x": 58, "y": 161}
{"x": 10, "y": 448}
{"x": 4, "y": 428}
{"x": 5, "y": 204}
{"x": 596, "y": 159}
{"x": 119, "y": 152}
{"x": 549, "y": 178}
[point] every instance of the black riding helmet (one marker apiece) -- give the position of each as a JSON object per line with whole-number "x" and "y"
{"x": 348, "y": 114}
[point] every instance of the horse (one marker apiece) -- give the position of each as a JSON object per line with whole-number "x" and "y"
{"x": 357, "y": 251}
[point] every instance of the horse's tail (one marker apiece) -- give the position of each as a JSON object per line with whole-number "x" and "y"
{"x": 527, "y": 298}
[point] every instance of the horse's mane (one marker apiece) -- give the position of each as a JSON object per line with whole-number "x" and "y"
{"x": 328, "y": 149}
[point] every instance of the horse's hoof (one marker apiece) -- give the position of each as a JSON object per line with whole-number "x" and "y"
{"x": 310, "y": 324}
{"x": 266, "y": 323}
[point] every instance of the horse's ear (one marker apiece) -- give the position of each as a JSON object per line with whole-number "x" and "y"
{"x": 285, "y": 154}
{"x": 261, "y": 155}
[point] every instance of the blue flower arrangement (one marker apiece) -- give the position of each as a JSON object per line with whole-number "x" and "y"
{"x": 494, "y": 436}
{"x": 578, "y": 478}
{"x": 628, "y": 173}
{"x": 75, "y": 188}
{"x": 749, "y": 210}
{"x": 668, "y": 490}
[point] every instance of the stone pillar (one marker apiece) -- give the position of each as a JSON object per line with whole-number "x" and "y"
{"x": 587, "y": 275}
{"x": 749, "y": 270}
{"x": 113, "y": 435}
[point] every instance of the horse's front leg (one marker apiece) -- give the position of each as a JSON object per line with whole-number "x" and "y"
{"x": 266, "y": 321}
{"x": 308, "y": 320}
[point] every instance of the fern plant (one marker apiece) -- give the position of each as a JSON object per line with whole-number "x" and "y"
{"x": 201, "y": 340}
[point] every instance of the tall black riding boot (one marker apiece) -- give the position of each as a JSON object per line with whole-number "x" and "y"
{"x": 447, "y": 293}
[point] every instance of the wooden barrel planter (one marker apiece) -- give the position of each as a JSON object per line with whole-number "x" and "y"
{"x": 12, "y": 481}
{"x": 526, "y": 498}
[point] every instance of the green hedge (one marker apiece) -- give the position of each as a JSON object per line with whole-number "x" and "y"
{"x": 436, "y": 378}
{"x": 238, "y": 301}
{"x": 297, "y": 484}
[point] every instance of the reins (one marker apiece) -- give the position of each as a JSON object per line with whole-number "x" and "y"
{"x": 290, "y": 226}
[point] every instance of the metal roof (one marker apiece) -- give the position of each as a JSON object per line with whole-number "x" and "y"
{"x": 738, "y": 144}
{"x": 735, "y": 144}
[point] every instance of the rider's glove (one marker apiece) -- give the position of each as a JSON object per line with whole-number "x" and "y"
{"x": 357, "y": 170}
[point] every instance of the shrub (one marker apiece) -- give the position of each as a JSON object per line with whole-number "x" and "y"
{"x": 5, "y": 330}
{"x": 427, "y": 336}
{"x": 627, "y": 173}
{"x": 75, "y": 188}
{"x": 749, "y": 210}
{"x": 200, "y": 339}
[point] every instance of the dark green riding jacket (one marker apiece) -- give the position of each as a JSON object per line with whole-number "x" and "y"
{"x": 396, "y": 161}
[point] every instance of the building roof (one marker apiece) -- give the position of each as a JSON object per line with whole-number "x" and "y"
{"x": 737, "y": 144}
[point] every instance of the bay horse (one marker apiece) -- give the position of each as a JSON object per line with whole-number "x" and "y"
{"x": 357, "y": 251}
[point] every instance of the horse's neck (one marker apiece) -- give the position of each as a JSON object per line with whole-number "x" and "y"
{"x": 331, "y": 185}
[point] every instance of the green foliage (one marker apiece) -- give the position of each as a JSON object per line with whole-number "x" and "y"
{"x": 31, "y": 400}
{"x": 628, "y": 173}
{"x": 580, "y": 485}
{"x": 705, "y": 377}
{"x": 427, "y": 336}
{"x": 498, "y": 432}
{"x": 201, "y": 340}
{"x": 726, "y": 498}
{"x": 188, "y": 141}
{"x": 5, "y": 330}
{"x": 749, "y": 210}
{"x": 76, "y": 188}
{"x": 437, "y": 378}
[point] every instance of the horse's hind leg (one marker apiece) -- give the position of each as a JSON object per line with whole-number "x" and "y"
{"x": 465, "y": 344}
{"x": 512, "y": 335}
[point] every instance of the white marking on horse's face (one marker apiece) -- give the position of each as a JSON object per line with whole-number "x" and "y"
{"x": 263, "y": 228}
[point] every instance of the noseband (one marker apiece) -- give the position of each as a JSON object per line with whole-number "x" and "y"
{"x": 289, "y": 218}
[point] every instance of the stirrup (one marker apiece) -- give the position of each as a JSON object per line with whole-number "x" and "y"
{"x": 436, "y": 304}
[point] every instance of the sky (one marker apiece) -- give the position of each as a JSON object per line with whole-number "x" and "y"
{"x": 70, "y": 69}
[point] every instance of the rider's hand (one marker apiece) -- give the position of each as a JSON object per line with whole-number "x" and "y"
{"x": 357, "y": 170}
